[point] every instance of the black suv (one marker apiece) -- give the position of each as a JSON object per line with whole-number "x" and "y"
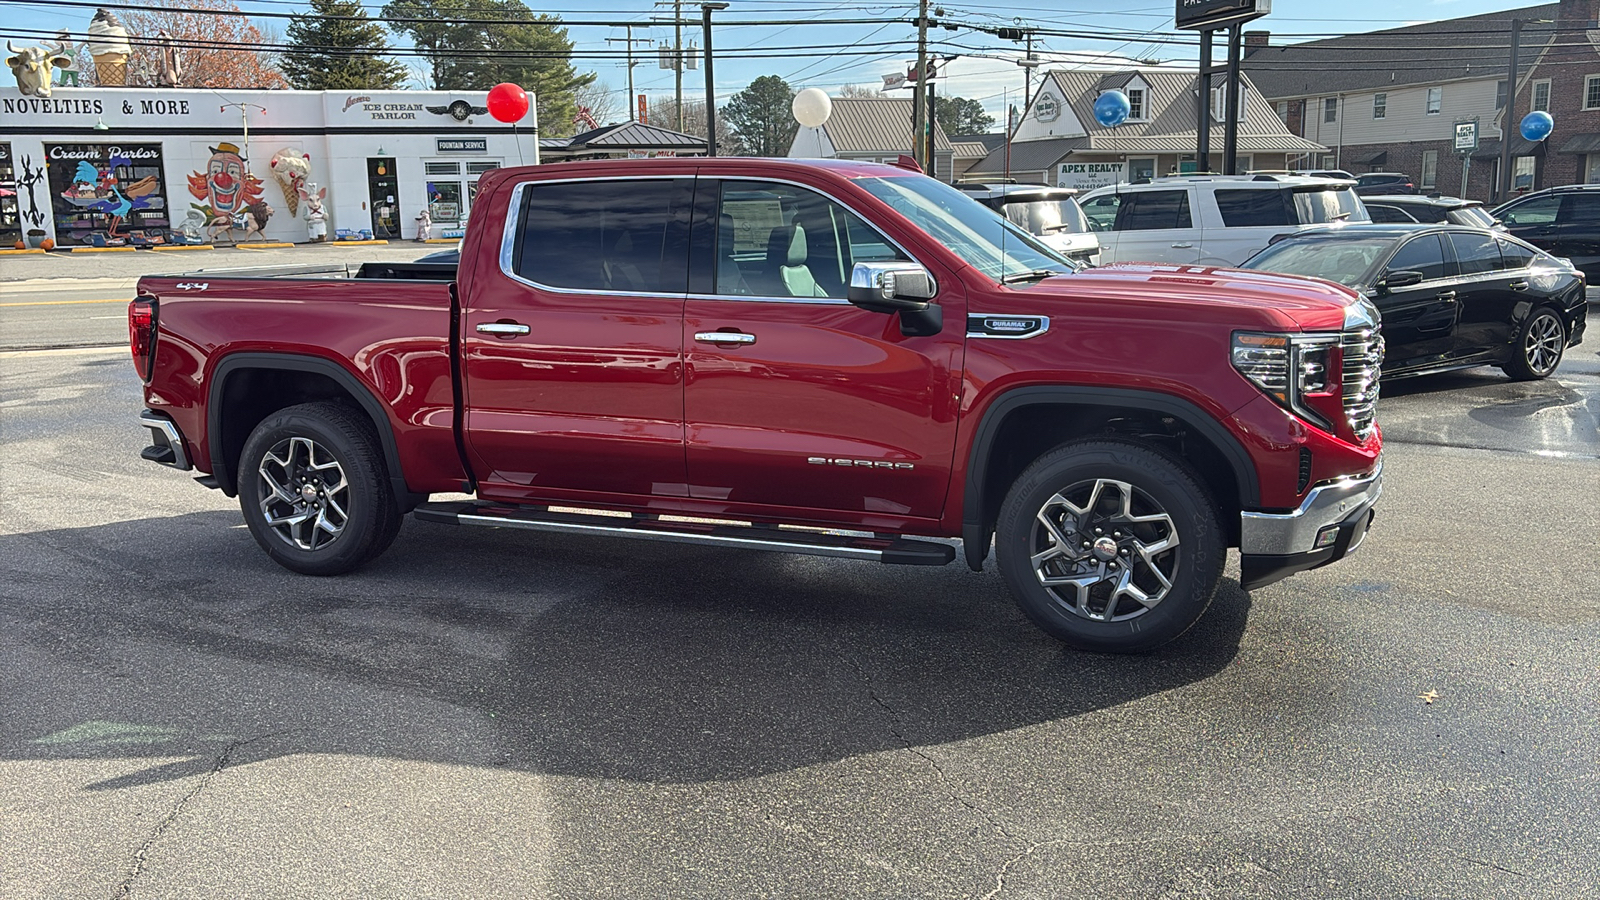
{"x": 1376, "y": 183}
{"x": 1431, "y": 209}
{"x": 1562, "y": 221}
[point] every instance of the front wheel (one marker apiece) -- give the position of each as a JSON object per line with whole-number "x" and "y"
{"x": 314, "y": 489}
{"x": 1540, "y": 342}
{"x": 1110, "y": 546}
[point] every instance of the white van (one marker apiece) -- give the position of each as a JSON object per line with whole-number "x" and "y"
{"x": 1213, "y": 220}
{"x": 1051, "y": 214}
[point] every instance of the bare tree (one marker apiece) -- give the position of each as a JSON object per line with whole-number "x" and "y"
{"x": 861, "y": 90}
{"x": 664, "y": 114}
{"x": 222, "y": 51}
{"x": 602, "y": 102}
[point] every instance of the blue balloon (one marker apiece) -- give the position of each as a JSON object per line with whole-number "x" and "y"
{"x": 1536, "y": 126}
{"x": 1111, "y": 108}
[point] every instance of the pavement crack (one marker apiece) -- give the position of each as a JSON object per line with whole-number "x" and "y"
{"x": 1489, "y": 865}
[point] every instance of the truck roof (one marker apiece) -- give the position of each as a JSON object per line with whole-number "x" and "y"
{"x": 846, "y": 168}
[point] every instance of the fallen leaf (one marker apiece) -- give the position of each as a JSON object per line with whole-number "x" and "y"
{"x": 1428, "y": 696}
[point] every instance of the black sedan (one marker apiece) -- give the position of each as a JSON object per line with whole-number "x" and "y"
{"x": 1450, "y": 297}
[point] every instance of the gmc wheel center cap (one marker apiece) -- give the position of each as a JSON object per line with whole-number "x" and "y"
{"x": 1105, "y": 549}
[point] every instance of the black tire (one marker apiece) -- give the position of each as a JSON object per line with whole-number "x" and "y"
{"x": 327, "y": 458}
{"x": 1538, "y": 347}
{"x": 1158, "y": 485}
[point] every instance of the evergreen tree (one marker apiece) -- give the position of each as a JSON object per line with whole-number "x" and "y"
{"x": 515, "y": 45}
{"x": 762, "y": 117}
{"x": 960, "y": 116}
{"x": 339, "y": 54}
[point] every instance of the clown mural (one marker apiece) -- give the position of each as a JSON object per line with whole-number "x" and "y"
{"x": 226, "y": 186}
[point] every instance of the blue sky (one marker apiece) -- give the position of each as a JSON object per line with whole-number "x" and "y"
{"x": 825, "y": 55}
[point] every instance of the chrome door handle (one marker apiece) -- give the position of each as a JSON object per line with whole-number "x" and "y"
{"x": 503, "y": 329}
{"x": 724, "y": 337}
{"x": 1183, "y": 246}
{"x": 1447, "y": 296}
{"x": 1519, "y": 285}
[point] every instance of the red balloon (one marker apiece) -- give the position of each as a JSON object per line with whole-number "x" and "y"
{"x": 508, "y": 102}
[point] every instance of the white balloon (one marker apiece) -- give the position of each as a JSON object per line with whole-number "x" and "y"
{"x": 812, "y": 107}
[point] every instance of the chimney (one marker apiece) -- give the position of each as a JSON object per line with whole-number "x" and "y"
{"x": 1256, "y": 40}
{"x": 1577, "y": 13}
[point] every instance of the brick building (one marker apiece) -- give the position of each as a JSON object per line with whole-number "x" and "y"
{"x": 1390, "y": 100}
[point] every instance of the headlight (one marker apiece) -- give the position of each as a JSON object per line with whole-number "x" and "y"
{"x": 1300, "y": 371}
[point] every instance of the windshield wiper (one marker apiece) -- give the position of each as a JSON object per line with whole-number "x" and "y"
{"x": 1052, "y": 229}
{"x": 1032, "y": 275}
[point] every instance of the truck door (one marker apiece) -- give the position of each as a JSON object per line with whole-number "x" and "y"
{"x": 572, "y": 347}
{"x": 795, "y": 398}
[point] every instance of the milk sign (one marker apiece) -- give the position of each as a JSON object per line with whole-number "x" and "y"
{"x": 1088, "y": 175}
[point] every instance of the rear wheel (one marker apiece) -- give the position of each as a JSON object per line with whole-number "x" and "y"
{"x": 1110, "y": 546}
{"x": 314, "y": 489}
{"x": 1541, "y": 341}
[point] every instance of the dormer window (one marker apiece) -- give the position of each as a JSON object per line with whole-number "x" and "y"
{"x": 1136, "y": 111}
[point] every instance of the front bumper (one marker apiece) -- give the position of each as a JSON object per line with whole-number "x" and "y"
{"x": 1328, "y": 526}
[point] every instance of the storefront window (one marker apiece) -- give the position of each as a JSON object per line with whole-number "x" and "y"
{"x": 10, "y": 212}
{"x": 105, "y": 194}
{"x": 444, "y": 202}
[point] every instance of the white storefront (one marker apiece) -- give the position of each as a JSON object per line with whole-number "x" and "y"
{"x": 131, "y": 165}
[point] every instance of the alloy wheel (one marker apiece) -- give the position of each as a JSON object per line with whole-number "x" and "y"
{"x": 304, "y": 493}
{"x": 1544, "y": 343}
{"x": 1106, "y": 550}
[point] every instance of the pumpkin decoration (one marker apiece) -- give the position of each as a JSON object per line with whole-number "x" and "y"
{"x": 48, "y": 244}
{"x": 19, "y": 245}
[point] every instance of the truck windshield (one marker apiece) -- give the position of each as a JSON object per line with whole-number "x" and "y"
{"x": 989, "y": 243}
{"x": 1046, "y": 216}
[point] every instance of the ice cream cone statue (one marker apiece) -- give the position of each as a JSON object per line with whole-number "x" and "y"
{"x": 108, "y": 44}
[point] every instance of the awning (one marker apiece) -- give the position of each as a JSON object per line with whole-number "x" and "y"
{"x": 1375, "y": 158}
{"x": 1520, "y": 146}
{"x": 1582, "y": 143}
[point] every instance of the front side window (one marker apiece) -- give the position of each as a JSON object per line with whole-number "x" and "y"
{"x": 782, "y": 240}
{"x": 989, "y": 243}
{"x": 1243, "y": 209}
{"x": 606, "y": 235}
{"x": 1476, "y": 254}
{"x": 1538, "y": 211}
{"x": 1152, "y": 210}
{"x": 1330, "y": 109}
{"x": 1102, "y": 212}
{"x": 1423, "y": 254}
{"x": 1430, "y": 168}
{"x": 1435, "y": 100}
{"x": 1380, "y": 106}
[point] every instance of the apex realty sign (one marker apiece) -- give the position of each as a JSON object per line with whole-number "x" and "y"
{"x": 1203, "y": 15}
{"x": 1089, "y": 175}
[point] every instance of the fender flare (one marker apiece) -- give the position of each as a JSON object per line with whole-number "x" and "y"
{"x": 295, "y": 362}
{"x": 974, "y": 536}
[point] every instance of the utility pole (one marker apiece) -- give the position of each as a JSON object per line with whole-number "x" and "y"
{"x": 711, "y": 94}
{"x": 1502, "y": 179}
{"x": 1230, "y": 134}
{"x": 629, "y": 40}
{"x": 1202, "y": 155}
{"x": 1027, "y": 72}
{"x": 677, "y": 58}
{"x": 919, "y": 90}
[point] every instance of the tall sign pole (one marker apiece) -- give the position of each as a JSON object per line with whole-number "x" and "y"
{"x": 1206, "y": 17}
{"x": 1502, "y": 178}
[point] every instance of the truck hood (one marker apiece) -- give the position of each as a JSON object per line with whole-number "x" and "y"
{"x": 1258, "y": 299}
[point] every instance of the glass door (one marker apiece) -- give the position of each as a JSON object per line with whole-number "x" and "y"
{"x": 383, "y": 198}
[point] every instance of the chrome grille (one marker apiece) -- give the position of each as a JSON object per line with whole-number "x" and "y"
{"x": 1362, "y": 352}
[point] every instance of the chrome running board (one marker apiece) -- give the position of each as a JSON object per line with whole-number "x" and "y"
{"x": 891, "y": 549}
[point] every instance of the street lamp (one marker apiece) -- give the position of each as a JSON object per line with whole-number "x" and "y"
{"x": 706, "y": 9}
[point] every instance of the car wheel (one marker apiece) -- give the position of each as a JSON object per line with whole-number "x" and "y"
{"x": 314, "y": 489}
{"x": 1110, "y": 546}
{"x": 1539, "y": 345}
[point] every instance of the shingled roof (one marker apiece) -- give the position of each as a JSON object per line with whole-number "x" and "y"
{"x": 1446, "y": 50}
{"x": 875, "y": 125}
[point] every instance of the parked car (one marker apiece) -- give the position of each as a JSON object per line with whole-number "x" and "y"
{"x": 856, "y": 351}
{"x": 1429, "y": 210}
{"x": 1376, "y": 183}
{"x": 450, "y": 257}
{"x": 1212, "y": 220}
{"x": 1450, "y": 297}
{"x": 1051, "y": 214}
{"x": 1562, "y": 221}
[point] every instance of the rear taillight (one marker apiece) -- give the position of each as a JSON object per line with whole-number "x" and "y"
{"x": 142, "y": 334}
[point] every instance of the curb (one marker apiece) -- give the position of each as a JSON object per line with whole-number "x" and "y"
{"x": 183, "y": 247}
{"x": 20, "y": 252}
{"x": 269, "y": 246}
{"x": 357, "y": 243}
{"x": 102, "y": 250}
{"x": 441, "y": 240}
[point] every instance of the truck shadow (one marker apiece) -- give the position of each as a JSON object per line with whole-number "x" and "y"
{"x": 588, "y": 657}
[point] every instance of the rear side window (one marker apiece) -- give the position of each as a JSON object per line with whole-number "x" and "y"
{"x": 1515, "y": 255}
{"x": 1243, "y": 209}
{"x": 1583, "y": 207}
{"x": 1320, "y": 205}
{"x": 1476, "y": 253}
{"x": 1422, "y": 254}
{"x": 606, "y": 236}
{"x": 1149, "y": 210}
{"x": 1388, "y": 214}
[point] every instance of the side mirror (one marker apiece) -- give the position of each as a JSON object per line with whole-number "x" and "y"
{"x": 890, "y": 286}
{"x": 1403, "y": 278}
{"x": 897, "y": 287}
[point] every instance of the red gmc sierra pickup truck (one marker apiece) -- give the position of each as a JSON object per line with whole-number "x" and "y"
{"x": 821, "y": 357}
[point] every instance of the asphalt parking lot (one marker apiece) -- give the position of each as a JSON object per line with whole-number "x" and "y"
{"x": 491, "y": 714}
